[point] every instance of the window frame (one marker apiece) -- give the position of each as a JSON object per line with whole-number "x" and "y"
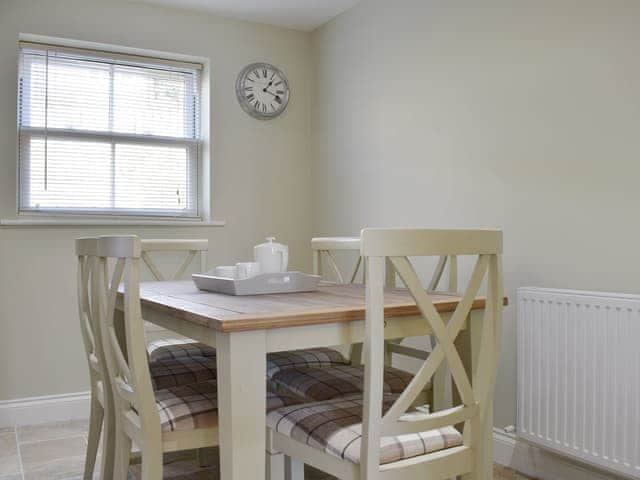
{"x": 125, "y": 55}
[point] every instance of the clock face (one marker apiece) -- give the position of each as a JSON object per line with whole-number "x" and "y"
{"x": 262, "y": 90}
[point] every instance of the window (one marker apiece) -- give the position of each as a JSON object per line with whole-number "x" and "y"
{"x": 103, "y": 133}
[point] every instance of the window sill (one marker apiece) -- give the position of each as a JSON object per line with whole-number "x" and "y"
{"x": 78, "y": 222}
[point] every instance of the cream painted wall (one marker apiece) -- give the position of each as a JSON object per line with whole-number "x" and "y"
{"x": 442, "y": 113}
{"x": 520, "y": 115}
{"x": 257, "y": 169}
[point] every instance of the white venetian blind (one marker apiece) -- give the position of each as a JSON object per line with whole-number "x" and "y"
{"x": 107, "y": 133}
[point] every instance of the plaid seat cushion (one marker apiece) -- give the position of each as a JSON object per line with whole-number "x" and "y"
{"x": 310, "y": 357}
{"x": 178, "y": 348}
{"x": 172, "y": 349}
{"x": 189, "y": 407}
{"x": 181, "y": 371}
{"x": 317, "y": 384}
{"x": 335, "y": 427}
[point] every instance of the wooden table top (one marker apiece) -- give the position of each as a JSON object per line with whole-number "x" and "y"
{"x": 330, "y": 304}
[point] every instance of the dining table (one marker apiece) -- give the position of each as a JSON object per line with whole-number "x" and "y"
{"x": 243, "y": 329}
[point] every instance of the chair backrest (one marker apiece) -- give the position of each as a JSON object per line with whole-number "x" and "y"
{"x": 396, "y": 245}
{"x": 325, "y": 246}
{"x": 189, "y": 246}
{"x": 122, "y": 329}
{"x": 88, "y": 309}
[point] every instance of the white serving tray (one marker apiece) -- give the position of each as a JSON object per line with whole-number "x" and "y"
{"x": 265, "y": 283}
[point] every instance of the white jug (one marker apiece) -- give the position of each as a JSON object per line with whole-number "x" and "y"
{"x": 273, "y": 257}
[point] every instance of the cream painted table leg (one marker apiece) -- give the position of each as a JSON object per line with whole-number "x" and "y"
{"x": 485, "y": 470}
{"x": 241, "y": 359}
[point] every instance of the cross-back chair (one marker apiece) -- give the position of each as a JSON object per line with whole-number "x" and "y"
{"x": 164, "y": 344}
{"x": 101, "y": 400}
{"x": 170, "y": 370}
{"x": 381, "y": 436}
{"x": 160, "y": 420}
{"x": 324, "y": 247}
{"x": 149, "y": 418}
{"x": 337, "y": 379}
{"x": 191, "y": 248}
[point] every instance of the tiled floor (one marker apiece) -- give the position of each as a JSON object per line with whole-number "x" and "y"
{"x": 56, "y": 452}
{"x": 53, "y": 451}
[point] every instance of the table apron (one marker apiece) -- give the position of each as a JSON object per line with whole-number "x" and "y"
{"x": 305, "y": 336}
{"x": 185, "y": 328}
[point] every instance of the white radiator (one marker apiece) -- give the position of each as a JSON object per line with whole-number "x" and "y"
{"x": 579, "y": 375}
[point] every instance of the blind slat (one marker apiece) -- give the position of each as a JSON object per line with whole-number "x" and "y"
{"x": 105, "y": 137}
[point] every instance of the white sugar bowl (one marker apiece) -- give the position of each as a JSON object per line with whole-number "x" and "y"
{"x": 273, "y": 257}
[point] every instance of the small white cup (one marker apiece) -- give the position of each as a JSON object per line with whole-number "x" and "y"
{"x": 226, "y": 271}
{"x": 247, "y": 270}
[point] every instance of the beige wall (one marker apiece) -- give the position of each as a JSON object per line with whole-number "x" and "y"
{"x": 258, "y": 168}
{"x": 521, "y": 115}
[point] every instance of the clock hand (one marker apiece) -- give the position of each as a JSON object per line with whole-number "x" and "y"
{"x": 277, "y": 97}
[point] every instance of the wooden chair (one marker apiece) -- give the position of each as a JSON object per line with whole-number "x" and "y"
{"x": 316, "y": 357}
{"x": 192, "y": 247}
{"x": 101, "y": 399}
{"x": 162, "y": 343}
{"x": 172, "y": 370}
{"x": 381, "y": 436}
{"x": 325, "y": 247}
{"x": 164, "y": 420}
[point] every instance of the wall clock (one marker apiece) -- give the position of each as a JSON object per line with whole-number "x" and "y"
{"x": 262, "y": 90}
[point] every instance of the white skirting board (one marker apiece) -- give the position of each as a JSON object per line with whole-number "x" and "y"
{"x": 50, "y": 408}
{"x": 536, "y": 462}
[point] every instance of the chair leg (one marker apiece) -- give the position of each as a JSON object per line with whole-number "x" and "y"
{"x": 476, "y": 436}
{"x": 95, "y": 427}
{"x": 293, "y": 469}
{"x": 275, "y": 466}
{"x": 108, "y": 442}
{"x": 122, "y": 454}
{"x": 152, "y": 464}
